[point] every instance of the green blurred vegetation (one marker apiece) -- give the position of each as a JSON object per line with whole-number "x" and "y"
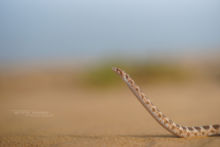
{"x": 146, "y": 73}
{"x": 99, "y": 76}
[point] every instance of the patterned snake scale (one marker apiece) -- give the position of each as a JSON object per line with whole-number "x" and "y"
{"x": 163, "y": 120}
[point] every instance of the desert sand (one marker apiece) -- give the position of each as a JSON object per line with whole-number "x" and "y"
{"x": 73, "y": 116}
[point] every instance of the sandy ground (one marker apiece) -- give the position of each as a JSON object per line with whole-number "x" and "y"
{"x": 106, "y": 117}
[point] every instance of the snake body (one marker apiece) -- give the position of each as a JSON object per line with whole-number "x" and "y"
{"x": 163, "y": 120}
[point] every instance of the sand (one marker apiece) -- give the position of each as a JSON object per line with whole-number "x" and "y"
{"x": 105, "y": 117}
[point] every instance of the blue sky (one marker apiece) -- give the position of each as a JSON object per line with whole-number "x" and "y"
{"x": 74, "y": 29}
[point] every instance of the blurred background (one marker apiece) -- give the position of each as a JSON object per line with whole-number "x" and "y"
{"x": 56, "y": 59}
